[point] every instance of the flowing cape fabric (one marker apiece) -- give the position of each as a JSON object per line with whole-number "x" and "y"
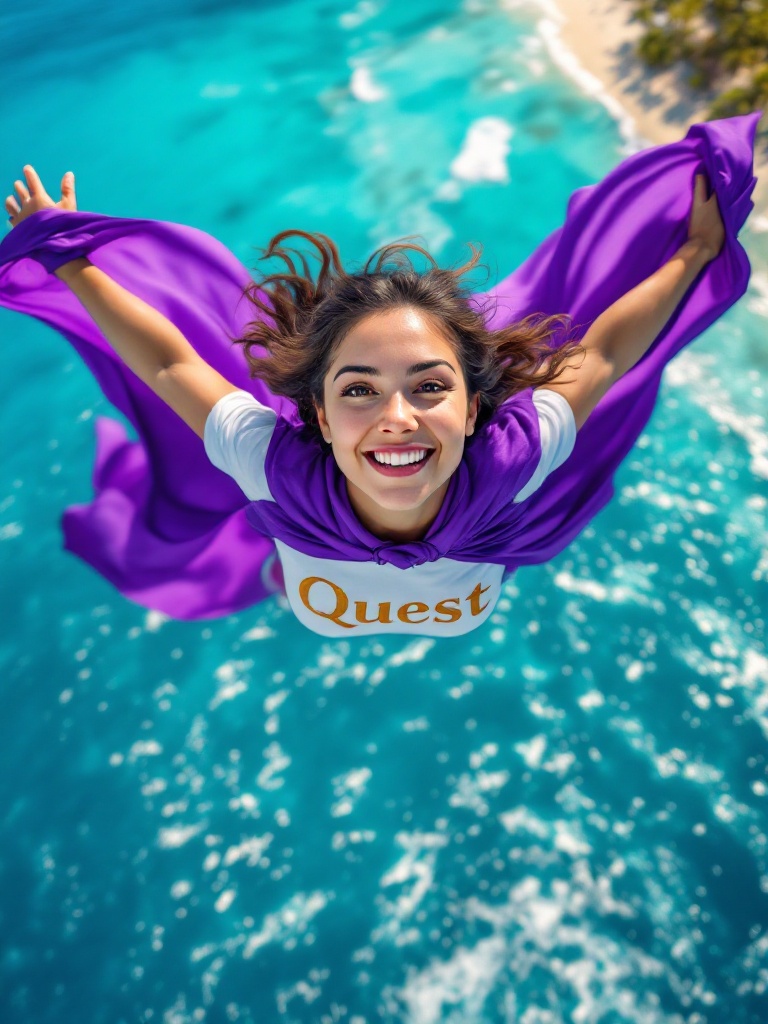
{"x": 169, "y": 530}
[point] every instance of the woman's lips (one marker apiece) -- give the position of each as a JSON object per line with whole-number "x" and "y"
{"x": 407, "y": 470}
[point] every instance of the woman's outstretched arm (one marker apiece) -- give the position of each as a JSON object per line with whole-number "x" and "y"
{"x": 625, "y": 331}
{"x": 146, "y": 341}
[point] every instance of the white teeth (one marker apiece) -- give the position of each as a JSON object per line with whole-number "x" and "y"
{"x": 396, "y": 459}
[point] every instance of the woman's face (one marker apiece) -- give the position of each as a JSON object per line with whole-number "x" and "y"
{"x": 395, "y": 389}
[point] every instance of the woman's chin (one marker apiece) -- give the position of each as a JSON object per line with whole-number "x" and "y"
{"x": 400, "y": 498}
{"x": 406, "y": 499}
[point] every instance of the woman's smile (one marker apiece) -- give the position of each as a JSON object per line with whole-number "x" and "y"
{"x": 404, "y": 461}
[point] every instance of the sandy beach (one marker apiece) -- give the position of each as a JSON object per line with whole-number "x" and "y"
{"x": 593, "y": 40}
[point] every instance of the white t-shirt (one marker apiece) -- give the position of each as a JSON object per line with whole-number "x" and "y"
{"x": 338, "y": 598}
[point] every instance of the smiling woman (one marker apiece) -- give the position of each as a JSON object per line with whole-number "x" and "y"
{"x": 394, "y": 370}
{"x": 400, "y": 444}
{"x": 388, "y": 360}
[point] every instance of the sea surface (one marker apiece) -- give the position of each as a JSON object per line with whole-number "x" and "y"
{"x": 558, "y": 818}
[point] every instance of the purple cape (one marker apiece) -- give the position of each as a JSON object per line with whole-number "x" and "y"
{"x": 170, "y": 531}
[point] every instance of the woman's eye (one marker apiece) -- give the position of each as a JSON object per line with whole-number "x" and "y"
{"x": 348, "y": 392}
{"x": 361, "y": 390}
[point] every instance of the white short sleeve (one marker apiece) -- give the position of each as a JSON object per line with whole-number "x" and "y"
{"x": 557, "y": 427}
{"x": 236, "y": 437}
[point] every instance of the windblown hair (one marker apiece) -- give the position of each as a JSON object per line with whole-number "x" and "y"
{"x": 303, "y": 318}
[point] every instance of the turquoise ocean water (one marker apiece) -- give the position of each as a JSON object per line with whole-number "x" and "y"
{"x": 559, "y": 818}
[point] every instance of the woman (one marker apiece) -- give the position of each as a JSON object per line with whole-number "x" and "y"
{"x": 424, "y": 445}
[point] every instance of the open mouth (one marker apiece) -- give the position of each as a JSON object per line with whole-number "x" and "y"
{"x": 387, "y": 469}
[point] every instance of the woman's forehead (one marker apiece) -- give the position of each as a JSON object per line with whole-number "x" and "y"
{"x": 397, "y": 336}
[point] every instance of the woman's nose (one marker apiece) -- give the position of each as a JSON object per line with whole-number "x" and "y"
{"x": 398, "y": 413}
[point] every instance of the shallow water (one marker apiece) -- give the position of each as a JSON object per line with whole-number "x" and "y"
{"x": 561, "y": 817}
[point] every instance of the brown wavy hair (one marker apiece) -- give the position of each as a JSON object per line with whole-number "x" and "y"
{"x": 302, "y": 318}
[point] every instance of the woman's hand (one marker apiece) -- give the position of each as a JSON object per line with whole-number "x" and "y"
{"x": 33, "y": 197}
{"x": 705, "y": 225}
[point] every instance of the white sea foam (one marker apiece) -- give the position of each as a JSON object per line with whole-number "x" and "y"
{"x": 308, "y": 993}
{"x": 259, "y": 633}
{"x": 247, "y": 803}
{"x": 532, "y": 751}
{"x": 227, "y": 691}
{"x": 549, "y": 29}
{"x": 154, "y": 786}
{"x": 154, "y": 620}
{"x": 363, "y": 87}
{"x": 277, "y": 761}
{"x": 420, "y": 724}
{"x": 287, "y": 923}
{"x": 698, "y": 374}
{"x": 144, "y": 748}
{"x": 522, "y": 819}
{"x": 250, "y": 850}
{"x": 415, "y": 650}
{"x": 657, "y": 495}
{"x": 465, "y": 979}
{"x": 478, "y": 757}
{"x": 224, "y": 900}
{"x": 179, "y": 835}
{"x": 415, "y": 872}
{"x": 628, "y": 588}
{"x": 483, "y": 155}
{"x": 529, "y": 932}
{"x": 568, "y": 840}
{"x": 340, "y": 840}
{"x": 174, "y": 807}
{"x": 737, "y": 663}
{"x": 212, "y": 861}
{"x": 274, "y": 700}
{"x": 470, "y": 788}
{"x": 347, "y": 788}
{"x": 232, "y": 670}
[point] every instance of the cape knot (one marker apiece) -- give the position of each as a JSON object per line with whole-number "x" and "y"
{"x": 406, "y": 555}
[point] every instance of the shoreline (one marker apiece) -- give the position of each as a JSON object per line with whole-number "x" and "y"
{"x": 592, "y": 41}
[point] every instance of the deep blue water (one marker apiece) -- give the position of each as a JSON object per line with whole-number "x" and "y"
{"x": 559, "y": 818}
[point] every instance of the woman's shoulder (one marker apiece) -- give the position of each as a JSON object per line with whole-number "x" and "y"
{"x": 257, "y": 444}
{"x": 519, "y": 419}
{"x": 528, "y": 436}
{"x": 509, "y": 435}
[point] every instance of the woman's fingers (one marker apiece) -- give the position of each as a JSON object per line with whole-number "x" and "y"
{"x": 68, "y": 201}
{"x": 33, "y": 181}
{"x": 30, "y": 197}
{"x": 14, "y": 205}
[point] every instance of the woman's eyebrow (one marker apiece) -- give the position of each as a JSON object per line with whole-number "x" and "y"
{"x": 372, "y": 371}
